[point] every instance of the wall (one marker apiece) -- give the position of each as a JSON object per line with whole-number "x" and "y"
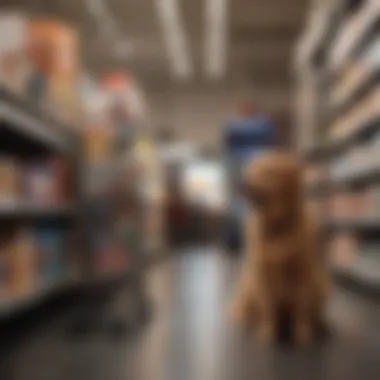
{"x": 198, "y": 117}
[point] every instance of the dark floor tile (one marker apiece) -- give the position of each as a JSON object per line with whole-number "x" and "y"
{"x": 189, "y": 337}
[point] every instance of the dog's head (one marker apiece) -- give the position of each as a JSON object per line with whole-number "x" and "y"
{"x": 273, "y": 184}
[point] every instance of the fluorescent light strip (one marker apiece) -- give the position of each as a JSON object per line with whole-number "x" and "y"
{"x": 216, "y": 30}
{"x": 168, "y": 12}
{"x": 106, "y": 23}
{"x": 95, "y": 7}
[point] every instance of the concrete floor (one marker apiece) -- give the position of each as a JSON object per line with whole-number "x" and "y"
{"x": 189, "y": 337}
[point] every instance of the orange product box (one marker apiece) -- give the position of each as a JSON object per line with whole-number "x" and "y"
{"x": 10, "y": 179}
{"x": 342, "y": 249}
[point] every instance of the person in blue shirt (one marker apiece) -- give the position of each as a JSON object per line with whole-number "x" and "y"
{"x": 245, "y": 135}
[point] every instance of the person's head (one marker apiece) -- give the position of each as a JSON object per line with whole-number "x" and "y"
{"x": 273, "y": 184}
{"x": 246, "y": 108}
{"x": 249, "y": 102}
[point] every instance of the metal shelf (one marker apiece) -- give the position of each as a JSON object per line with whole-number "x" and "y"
{"x": 330, "y": 149}
{"x": 353, "y": 224}
{"x": 22, "y": 209}
{"x": 365, "y": 34}
{"x": 364, "y": 275}
{"x": 12, "y": 304}
{"x": 29, "y": 121}
{"x": 357, "y": 179}
{"x": 370, "y": 81}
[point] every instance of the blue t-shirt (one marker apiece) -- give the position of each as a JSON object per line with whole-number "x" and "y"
{"x": 244, "y": 138}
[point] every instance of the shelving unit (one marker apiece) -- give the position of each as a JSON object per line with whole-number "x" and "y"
{"x": 10, "y": 305}
{"x": 354, "y": 224}
{"x": 115, "y": 263}
{"x": 358, "y": 28}
{"x": 27, "y": 132}
{"x": 20, "y": 209}
{"x": 343, "y": 159}
{"x": 19, "y": 117}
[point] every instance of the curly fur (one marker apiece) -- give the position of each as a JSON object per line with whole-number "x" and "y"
{"x": 283, "y": 270}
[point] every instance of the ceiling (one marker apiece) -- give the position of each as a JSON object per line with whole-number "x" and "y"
{"x": 260, "y": 38}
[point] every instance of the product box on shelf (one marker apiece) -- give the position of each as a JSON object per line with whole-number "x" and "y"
{"x": 52, "y": 250}
{"x": 350, "y": 78}
{"x": 10, "y": 179}
{"x": 128, "y": 232}
{"x": 359, "y": 114}
{"x": 350, "y": 205}
{"x": 45, "y": 181}
{"x": 39, "y": 183}
{"x": 375, "y": 150}
{"x": 342, "y": 249}
{"x": 32, "y": 257}
{"x": 3, "y": 274}
{"x": 364, "y": 203}
{"x": 14, "y": 63}
{"x": 313, "y": 174}
{"x": 98, "y": 144}
{"x": 22, "y": 262}
{"x": 111, "y": 258}
{"x": 337, "y": 205}
{"x": 53, "y": 52}
{"x": 376, "y": 201}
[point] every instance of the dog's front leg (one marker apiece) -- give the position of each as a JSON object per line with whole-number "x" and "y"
{"x": 244, "y": 305}
{"x": 267, "y": 322}
{"x": 302, "y": 329}
{"x": 242, "y": 310}
{"x": 302, "y": 321}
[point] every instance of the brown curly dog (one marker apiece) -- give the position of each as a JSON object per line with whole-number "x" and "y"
{"x": 283, "y": 269}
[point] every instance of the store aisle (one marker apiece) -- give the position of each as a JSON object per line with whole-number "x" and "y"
{"x": 189, "y": 337}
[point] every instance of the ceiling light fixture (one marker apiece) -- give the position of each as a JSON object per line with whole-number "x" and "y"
{"x": 107, "y": 26}
{"x": 96, "y": 7}
{"x": 174, "y": 36}
{"x": 216, "y": 38}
